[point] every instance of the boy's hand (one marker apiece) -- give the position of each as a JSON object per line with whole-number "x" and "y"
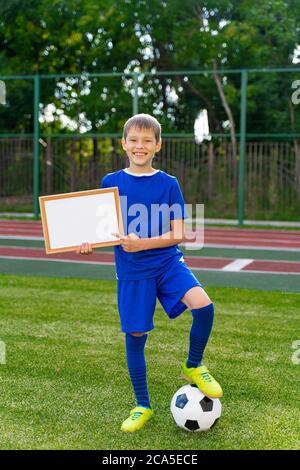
{"x": 84, "y": 249}
{"x": 130, "y": 243}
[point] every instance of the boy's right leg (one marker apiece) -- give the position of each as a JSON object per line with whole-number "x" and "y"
{"x": 135, "y": 345}
{"x": 136, "y": 317}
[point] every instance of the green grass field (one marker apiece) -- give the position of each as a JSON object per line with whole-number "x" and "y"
{"x": 65, "y": 382}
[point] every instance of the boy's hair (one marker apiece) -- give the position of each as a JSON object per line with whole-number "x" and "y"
{"x": 143, "y": 121}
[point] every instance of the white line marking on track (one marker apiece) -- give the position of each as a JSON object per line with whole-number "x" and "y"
{"x": 28, "y": 258}
{"x": 187, "y": 246}
{"x": 246, "y": 272}
{"x": 21, "y": 258}
{"x": 237, "y": 264}
{"x": 241, "y": 247}
{"x": 16, "y": 237}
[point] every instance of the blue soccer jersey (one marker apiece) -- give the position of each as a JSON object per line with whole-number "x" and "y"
{"x": 148, "y": 203}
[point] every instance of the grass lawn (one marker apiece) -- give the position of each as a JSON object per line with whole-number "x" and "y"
{"x": 65, "y": 382}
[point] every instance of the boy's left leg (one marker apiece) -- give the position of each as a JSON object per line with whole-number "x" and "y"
{"x": 135, "y": 345}
{"x": 202, "y": 310}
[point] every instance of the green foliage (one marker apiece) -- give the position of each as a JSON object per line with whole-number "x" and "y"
{"x": 81, "y": 36}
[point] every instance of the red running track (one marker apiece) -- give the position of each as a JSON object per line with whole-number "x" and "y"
{"x": 227, "y": 237}
{"x": 194, "y": 262}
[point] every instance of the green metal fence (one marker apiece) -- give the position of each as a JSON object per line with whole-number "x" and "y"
{"x": 261, "y": 175}
{"x": 208, "y": 172}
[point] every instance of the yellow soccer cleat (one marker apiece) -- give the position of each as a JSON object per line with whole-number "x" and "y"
{"x": 203, "y": 379}
{"x": 137, "y": 419}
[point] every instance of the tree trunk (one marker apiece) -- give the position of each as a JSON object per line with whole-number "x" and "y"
{"x": 229, "y": 115}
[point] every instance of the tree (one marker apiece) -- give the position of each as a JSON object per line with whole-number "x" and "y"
{"x": 85, "y": 36}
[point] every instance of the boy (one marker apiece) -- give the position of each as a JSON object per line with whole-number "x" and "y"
{"x": 149, "y": 264}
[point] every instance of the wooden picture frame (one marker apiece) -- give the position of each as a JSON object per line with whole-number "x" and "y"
{"x": 73, "y": 218}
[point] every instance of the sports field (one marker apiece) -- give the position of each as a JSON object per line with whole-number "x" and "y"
{"x": 185, "y": 113}
{"x": 65, "y": 383}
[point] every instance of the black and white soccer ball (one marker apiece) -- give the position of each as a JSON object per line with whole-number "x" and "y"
{"x": 193, "y": 411}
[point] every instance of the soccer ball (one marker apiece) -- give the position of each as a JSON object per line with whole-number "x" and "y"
{"x": 193, "y": 411}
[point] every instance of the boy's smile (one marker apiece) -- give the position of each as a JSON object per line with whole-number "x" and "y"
{"x": 140, "y": 146}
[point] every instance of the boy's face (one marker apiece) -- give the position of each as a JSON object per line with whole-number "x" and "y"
{"x": 140, "y": 146}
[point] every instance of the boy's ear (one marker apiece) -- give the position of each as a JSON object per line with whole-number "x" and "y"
{"x": 123, "y": 143}
{"x": 158, "y": 145}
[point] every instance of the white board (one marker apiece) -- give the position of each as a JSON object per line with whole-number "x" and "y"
{"x": 86, "y": 216}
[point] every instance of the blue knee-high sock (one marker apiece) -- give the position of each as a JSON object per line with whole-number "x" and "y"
{"x": 200, "y": 331}
{"x": 135, "y": 346}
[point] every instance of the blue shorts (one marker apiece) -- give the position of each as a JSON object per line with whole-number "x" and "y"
{"x": 137, "y": 299}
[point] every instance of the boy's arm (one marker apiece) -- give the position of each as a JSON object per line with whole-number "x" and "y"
{"x": 132, "y": 243}
{"x": 175, "y": 236}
